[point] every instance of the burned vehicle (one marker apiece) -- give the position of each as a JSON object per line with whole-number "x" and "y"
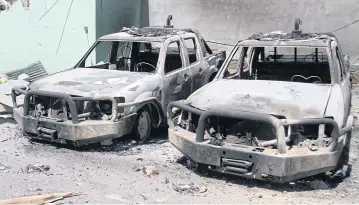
{"x": 122, "y": 85}
{"x": 278, "y": 110}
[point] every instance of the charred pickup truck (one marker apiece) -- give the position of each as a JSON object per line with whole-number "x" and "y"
{"x": 278, "y": 110}
{"x": 122, "y": 85}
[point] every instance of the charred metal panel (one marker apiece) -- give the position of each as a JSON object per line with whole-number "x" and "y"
{"x": 34, "y": 71}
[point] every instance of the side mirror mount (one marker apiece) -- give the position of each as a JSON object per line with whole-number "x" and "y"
{"x": 347, "y": 63}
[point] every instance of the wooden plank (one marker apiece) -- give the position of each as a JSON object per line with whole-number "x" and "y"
{"x": 39, "y": 199}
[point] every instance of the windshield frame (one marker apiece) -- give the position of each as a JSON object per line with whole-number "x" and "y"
{"x": 239, "y": 48}
{"x": 94, "y": 45}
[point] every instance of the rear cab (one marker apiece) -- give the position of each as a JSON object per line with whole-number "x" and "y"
{"x": 278, "y": 110}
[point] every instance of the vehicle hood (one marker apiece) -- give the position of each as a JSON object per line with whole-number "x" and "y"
{"x": 288, "y": 99}
{"x": 90, "y": 82}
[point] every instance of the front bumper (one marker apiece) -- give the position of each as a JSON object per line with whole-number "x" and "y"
{"x": 277, "y": 165}
{"x": 65, "y": 132}
{"x": 73, "y": 130}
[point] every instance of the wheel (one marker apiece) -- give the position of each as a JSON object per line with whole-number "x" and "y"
{"x": 143, "y": 125}
{"x": 344, "y": 156}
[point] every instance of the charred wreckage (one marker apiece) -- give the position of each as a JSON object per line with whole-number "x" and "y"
{"x": 122, "y": 85}
{"x": 278, "y": 110}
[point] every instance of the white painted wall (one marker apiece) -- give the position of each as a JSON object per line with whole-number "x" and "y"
{"x": 25, "y": 39}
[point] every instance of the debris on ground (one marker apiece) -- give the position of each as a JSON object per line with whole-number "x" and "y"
{"x": 166, "y": 181}
{"x": 118, "y": 199}
{"x": 37, "y": 168}
{"x": 20, "y": 77}
{"x": 150, "y": 171}
{"x": 133, "y": 142}
{"x": 203, "y": 189}
{"x": 186, "y": 187}
{"x": 342, "y": 173}
{"x": 182, "y": 160}
{"x": 318, "y": 184}
{"x": 137, "y": 169}
{"x": 39, "y": 199}
{"x": 144, "y": 197}
{"x": 31, "y": 72}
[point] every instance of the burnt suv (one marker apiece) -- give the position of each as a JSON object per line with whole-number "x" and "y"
{"x": 122, "y": 85}
{"x": 278, "y": 110}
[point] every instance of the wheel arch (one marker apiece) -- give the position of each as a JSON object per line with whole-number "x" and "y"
{"x": 156, "y": 114}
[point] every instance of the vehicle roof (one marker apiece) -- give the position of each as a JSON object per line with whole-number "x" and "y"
{"x": 278, "y": 38}
{"x": 145, "y": 34}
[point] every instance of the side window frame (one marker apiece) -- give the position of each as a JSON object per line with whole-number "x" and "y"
{"x": 195, "y": 44}
{"x": 180, "y": 47}
{"x": 341, "y": 58}
{"x": 341, "y": 64}
{"x": 335, "y": 62}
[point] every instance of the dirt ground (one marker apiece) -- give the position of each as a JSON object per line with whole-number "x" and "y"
{"x": 112, "y": 174}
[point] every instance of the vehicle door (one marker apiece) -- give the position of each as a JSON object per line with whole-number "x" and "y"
{"x": 344, "y": 78}
{"x": 176, "y": 75}
{"x": 194, "y": 59}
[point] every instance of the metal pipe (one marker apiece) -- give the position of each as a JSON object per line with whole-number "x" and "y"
{"x": 168, "y": 22}
{"x": 180, "y": 104}
{"x": 275, "y": 122}
{"x": 318, "y": 121}
{"x": 83, "y": 115}
{"x": 272, "y": 142}
{"x": 19, "y": 89}
{"x": 66, "y": 97}
{"x": 316, "y": 55}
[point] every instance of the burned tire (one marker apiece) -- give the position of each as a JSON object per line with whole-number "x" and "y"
{"x": 344, "y": 156}
{"x": 143, "y": 125}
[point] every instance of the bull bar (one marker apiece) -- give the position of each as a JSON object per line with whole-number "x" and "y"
{"x": 114, "y": 126}
{"x": 194, "y": 148}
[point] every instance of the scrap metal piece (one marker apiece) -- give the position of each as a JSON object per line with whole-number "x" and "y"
{"x": 168, "y": 22}
{"x": 34, "y": 71}
{"x": 296, "y": 26}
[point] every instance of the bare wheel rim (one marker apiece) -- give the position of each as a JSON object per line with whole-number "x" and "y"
{"x": 143, "y": 127}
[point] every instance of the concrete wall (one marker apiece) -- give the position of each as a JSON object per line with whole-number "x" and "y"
{"x": 231, "y": 20}
{"x": 112, "y": 16}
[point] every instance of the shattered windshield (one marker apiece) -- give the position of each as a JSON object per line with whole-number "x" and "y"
{"x": 286, "y": 63}
{"x": 122, "y": 55}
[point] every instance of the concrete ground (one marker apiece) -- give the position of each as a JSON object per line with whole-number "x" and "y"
{"x": 113, "y": 174}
